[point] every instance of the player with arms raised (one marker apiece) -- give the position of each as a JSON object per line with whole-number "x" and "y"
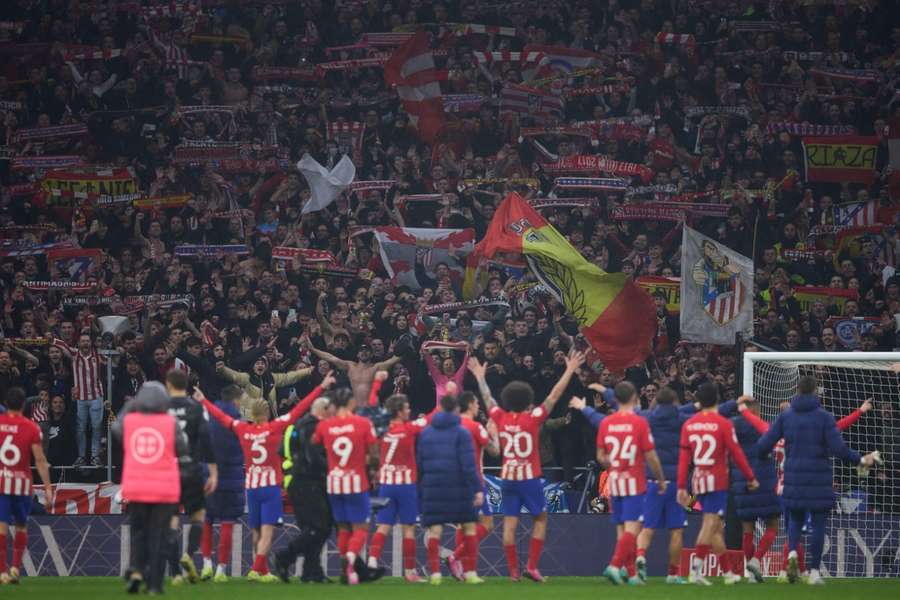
{"x": 707, "y": 442}
{"x": 519, "y": 428}
{"x": 397, "y": 478}
{"x": 625, "y": 444}
{"x": 348, "y": 440}
{"x": 260, "y": 441}
{"x": 20, "y": 439}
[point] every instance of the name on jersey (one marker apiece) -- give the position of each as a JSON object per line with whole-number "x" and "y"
{"x": 258, "y": 435}
{"x": 512, "y": 428}
{"x": 625, "y": 427}
{"x": 341, "y": 429}
{"x": 703, "y": 427}
{"x": 9, "y": 428}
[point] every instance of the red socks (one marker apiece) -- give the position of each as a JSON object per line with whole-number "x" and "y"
{"x": 3, "y": 567}
{"x": 377, "y": 545}
{"x": 261, "y": 564}
{"x": 343, "y": 541}
{"x": 747, "y": 545}
{"x": 460, "y": 542}
{"x": 801, "y": 558}
{"x": 223, "y": 554}
{"x": 206, "y": 540}
{"x": 512, "y": 560}
{"x": 765, "y": 542}
{"x": 434, "y": 555}
{"x": 357, "y": 541}
{"x": 481, "y": 531}
{"x": 409, "y": 553}
{"x": 640, "y": 552}
{"x": 623, "y": 550}
{"x": 470, "y": 555}
{"x": 702, "y": 551}
{"x": 20, "y": 541}
{"x": 724, "y": 563}
{"x": 535, "y": 547}
{"x": 673, "y": 569}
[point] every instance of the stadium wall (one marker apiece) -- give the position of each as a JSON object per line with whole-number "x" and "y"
{"x": 576, "y": 545}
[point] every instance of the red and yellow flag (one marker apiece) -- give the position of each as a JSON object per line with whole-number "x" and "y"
{"x": 616, "y": 316}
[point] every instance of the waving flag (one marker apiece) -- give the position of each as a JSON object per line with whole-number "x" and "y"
{"x": 559, "y": 59}
{"x": 527, "y": 101}
{"x": 411, "y": 256}
{"x": 616, "y": 316}
{"x": 411, "y": 68}
{"x": 325, "y": 185}
{"x": 74, "y": 264}
{"x": 840, "y": 158}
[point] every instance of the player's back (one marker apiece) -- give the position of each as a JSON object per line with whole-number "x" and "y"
{"x": 398, "y": 454}
{"x": 480, "y": 440}
{"x": 705, "y": 435}
{"x": 520, "y": 442}
{"x": 192, "y": 422}
{"x": 17, "y": 435}
{"x": 260, "y": 445}
{"x": 346, "y": 440}
{"x": 625, "y": 437}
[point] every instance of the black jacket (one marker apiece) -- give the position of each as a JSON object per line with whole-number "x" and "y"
{"x": 309, "y": 460}
{"x": 192, "y": 421}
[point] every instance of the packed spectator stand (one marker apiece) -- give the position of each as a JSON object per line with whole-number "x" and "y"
{"x": 149, "y": 170}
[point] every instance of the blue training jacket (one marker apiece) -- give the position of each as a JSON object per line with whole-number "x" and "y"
{"x": 227, "y": 502}
{"x": 448, "y": 478}
{"x": 811, "y": 438}
{"x": 764, "y": 502}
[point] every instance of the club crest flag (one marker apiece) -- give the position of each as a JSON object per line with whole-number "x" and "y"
{"x": 421, "y": 258}
{"x": 716, "y": 291}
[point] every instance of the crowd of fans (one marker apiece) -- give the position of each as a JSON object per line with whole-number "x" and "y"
{"x": 126, "y": 70}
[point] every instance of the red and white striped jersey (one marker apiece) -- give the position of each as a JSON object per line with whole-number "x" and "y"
{"x": 398, "y": 454}
{"x": 17, "y": 435}
{"x": 778, "y": 454}
{"x": 85, "y": 371}
{"x": 625, "y": 437}
{"x": 260, "y": 445}
{"x": 519, "y": 440}
{"x": 707, "y": 441}
{"x": 347, "y": 440}
{"x": 480, "y": 439}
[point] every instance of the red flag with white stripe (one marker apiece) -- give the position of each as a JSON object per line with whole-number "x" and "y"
{"x": 411, "y": 68}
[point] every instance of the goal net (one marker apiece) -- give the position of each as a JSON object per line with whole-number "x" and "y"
{"x": 863, "y": 537}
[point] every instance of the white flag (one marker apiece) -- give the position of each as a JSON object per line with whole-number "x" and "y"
{"x": 716, "y": 291}
{"x": 325, "y": 185}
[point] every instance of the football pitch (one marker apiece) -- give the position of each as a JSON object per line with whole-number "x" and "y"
{"x": 569, "y": 588}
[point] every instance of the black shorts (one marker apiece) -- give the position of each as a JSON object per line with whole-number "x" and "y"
{"x": 192, "y": 496}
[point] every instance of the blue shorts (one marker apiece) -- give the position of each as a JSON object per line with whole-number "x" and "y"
{"x": 485, "y": 508}
{"x": 528, "y": 493}
{"x": 627, "y": 508}
{"x": 350, "y": 508}
{"x": 264, "y": 506}
{"x": 403, "y": 507}
{"x": 663, "y": 512}
{"x": 714, "y": 503}
{"x": 14, "y": 509}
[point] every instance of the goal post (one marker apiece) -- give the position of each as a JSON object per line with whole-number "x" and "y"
{"x": 863, "y": 537}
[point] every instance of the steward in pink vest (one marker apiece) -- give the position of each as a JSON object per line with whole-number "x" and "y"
{"x": 151, "y": 484}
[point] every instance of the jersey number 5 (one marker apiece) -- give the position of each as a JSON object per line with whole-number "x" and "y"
{"x": 260, "y": 454}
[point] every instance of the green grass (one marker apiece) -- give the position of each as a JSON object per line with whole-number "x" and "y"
{"x": 567, "y": 588}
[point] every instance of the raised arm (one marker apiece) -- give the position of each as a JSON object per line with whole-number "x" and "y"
{"x": 343, "y": 365}
{"x": 214, "y": 411}
{"x": 386, "y": 365}
{"x": 574, "y": 360}
{"x": 771, "y": 437}
{"x": 380, "y": 377}
{"x": 291, "y": 377}
{"x": 845, "y": 423}
{"x": 595, "y": 417}
{"x": 300, "y": 409}
{"x": 737, "y": 454}
{"x": 478, "y": 370}
{"x": 836, "y": 445}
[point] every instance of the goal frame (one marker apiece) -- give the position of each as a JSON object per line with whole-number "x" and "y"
{"x": 807, "y": 357}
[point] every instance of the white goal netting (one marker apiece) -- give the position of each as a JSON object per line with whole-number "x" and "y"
{"x": 863, "y": 537}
